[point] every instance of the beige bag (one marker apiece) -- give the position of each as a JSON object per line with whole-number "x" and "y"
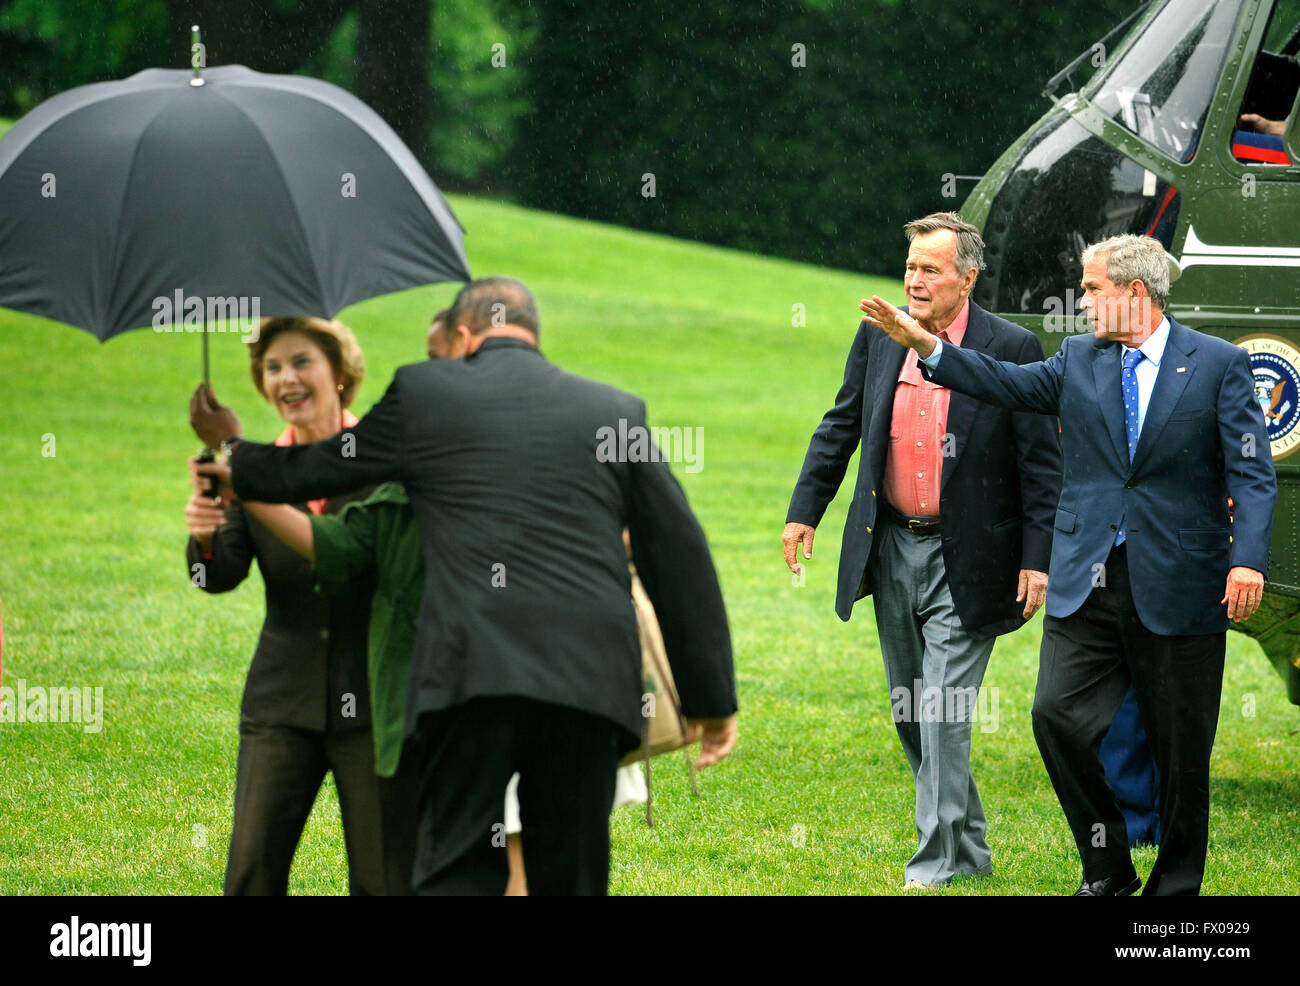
{"x": 666, "y": 729}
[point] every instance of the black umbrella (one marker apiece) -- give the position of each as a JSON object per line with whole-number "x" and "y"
{"x": 167, "y": 199}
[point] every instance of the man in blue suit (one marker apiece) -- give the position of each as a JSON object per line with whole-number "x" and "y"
{"x": 1159, "y": 426}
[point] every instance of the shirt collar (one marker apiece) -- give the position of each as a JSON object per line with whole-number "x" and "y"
{"x": 287, "y": 438}
{"x": 954, "y": 333}
{"x": 505, "y": 342}
{"x": 1154, "y": 347}
{"x": 957, "y": 331}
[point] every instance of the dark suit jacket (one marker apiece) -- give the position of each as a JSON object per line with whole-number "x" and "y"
{"x": 1203, "y": 440}
{"x": 526, "y": 581}
{"x": 312, "y": 649}
{"x": 997, "y": 496}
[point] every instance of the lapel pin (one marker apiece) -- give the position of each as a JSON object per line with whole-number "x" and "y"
{"x": 1182, "y": 369}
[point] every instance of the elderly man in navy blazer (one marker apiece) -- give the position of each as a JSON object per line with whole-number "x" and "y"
{"x": 1159, "y": 427}
{"x": 950, "y": 528}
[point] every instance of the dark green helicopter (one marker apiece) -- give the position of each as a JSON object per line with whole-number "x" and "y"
{"x": 1187, "y": 131}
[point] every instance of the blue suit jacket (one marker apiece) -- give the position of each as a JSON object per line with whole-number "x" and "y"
{"x": 1203, "y": 440}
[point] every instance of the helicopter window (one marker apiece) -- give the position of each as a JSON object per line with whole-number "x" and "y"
{"x": 1161, "y": 87}
{"x": 1271, "y": 95}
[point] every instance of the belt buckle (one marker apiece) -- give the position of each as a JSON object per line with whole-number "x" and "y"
{"x": 914, "y": 526}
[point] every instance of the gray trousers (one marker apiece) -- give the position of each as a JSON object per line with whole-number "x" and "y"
{"x": 934, "y": 668}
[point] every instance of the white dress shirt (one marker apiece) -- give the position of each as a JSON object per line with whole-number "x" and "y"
{"x": 1147, "y": 370}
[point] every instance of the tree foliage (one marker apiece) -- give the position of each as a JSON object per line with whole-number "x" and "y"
{"x": 810, "y": 129}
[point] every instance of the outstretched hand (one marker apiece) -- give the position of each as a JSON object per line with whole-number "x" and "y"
{"x": 898, "y": 325}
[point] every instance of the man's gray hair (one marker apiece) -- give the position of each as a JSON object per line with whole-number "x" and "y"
{"x": 1135, "y": 258}
{"x": 493, "y": 301}
{"x": 970, "y": 245}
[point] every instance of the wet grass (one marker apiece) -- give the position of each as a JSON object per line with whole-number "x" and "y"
{"x": 817, "y": 797}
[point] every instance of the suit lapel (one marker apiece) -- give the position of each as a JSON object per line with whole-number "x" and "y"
{"x": 961, "y": 408}
{"x": 1168, "y": 390}
{"x": 1110, "y": 398}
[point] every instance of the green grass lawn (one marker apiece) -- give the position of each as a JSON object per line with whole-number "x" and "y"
{"x": 816, "y": 797}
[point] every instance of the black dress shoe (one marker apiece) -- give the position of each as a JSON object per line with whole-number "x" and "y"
{"x": 1112, "y": 886}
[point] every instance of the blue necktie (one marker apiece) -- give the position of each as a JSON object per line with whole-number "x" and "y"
{"x": 1130, "y": 385}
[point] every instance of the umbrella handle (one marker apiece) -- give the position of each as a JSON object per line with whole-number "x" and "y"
{"x": 214, "y": 487}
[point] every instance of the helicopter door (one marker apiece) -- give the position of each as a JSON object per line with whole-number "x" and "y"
{"x": 1160, "y": 88}
{"x": 1271, "y": 96}
{"x": 1068, "y": 188}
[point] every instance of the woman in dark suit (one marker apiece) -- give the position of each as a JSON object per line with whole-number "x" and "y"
{"x": 306, "y": 704}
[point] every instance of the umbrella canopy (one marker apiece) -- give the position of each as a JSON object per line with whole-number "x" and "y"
{"x": 120, "y": 199}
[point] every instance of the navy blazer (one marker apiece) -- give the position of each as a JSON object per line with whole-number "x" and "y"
{"x": 997, "y": 495}
{"x": 1203, "y": 439}
{"x": 521, "y": 523}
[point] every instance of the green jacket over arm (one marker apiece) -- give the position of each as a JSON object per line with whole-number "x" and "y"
{"x": 376, "y": 539}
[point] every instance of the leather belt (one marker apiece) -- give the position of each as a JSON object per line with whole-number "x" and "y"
{"x": 915, "y": 525}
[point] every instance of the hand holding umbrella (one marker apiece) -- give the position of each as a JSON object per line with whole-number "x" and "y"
{"x": 219, "y": 475}
{"x": 211, "y": 420}
{"x": 204, "y": 512}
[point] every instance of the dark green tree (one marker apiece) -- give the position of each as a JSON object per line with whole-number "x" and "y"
{"x": 807, "y": 130}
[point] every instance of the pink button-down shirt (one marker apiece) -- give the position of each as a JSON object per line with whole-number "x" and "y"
{"x": 914, "y": 465}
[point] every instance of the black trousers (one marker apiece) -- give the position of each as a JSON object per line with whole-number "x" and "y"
{"x": 1087, "y": 662}
{"x": 279, "y": 772}
{"x": 566, "y": 761}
